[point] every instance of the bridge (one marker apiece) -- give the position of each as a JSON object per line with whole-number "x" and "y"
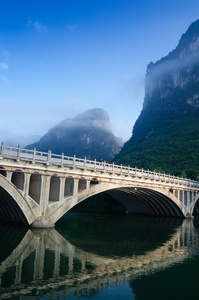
{"x": 38, "y": 188}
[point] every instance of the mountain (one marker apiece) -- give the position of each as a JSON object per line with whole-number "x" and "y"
{"x": 165, "y": 136}
{"x": 87, "y": 135}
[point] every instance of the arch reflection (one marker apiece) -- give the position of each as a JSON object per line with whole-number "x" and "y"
{"x": 45, "y": 261}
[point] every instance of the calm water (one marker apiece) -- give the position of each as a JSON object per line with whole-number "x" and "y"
{"x": 101, "y": 258}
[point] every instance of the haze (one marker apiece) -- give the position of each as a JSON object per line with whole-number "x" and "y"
{"x": 60, "y": 58}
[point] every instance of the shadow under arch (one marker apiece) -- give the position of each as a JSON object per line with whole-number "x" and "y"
{"x": 10, "y": 210}
{"x": 145, "y": 201}
{"x": 135, "y": 200}
{"x": 13, "y": 207}
{"x": 196, "y": 208}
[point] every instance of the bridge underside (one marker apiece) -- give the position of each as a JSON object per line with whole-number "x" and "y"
{"x": 9, "y": 209}
{"x": 196, "y": 209}
{"x": 145, "y": 201}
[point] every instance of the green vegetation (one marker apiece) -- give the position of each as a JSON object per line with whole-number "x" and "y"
{"x": 164, "y": 142}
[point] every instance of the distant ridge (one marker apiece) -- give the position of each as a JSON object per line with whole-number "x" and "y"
{"x": 87, "y": 135}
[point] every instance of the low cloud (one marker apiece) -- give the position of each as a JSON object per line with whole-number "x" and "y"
{"x": 3, "y": 78}
{"x": 4, "y": 54}
{"x": 165, "y": 66}
{"x": 71, "y": 27}
{"x": 3, "y": 66}
{"x": 37, "y": 26}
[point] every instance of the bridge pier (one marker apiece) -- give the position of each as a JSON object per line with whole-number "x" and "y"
{"x": 42, "y": 222}
{"x": 186, "y": 199}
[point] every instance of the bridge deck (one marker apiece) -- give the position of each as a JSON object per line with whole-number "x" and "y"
{"x": 74, "y": 162}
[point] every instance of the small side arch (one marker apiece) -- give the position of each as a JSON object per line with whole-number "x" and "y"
{"x": 94, "y": 181}
{"x": 69, "y": 187}
{"x": 35, "y": 187}
{"x": 18, "y": 179}
{"x": 82, "y": 184}
{"x": 54, "y": 188}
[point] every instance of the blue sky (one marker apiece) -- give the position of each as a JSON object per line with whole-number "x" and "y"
{"x": 59, "y": 58}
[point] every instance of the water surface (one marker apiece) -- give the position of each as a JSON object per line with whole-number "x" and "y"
{"x": 101, "y": 257}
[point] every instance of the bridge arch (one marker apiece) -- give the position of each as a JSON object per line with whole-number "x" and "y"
{"x": 69, "y": 187}
{"x": 82, "y": 184}
{"x": 136, "y": 200}
{"x": 94, "y": 181}
{"x": 35, "y": 187}
{"x": 18, "y": 179}
{"x": 54, "y": 188}
{"x": 13, "y": 206}
{"x": 146, "y": 201}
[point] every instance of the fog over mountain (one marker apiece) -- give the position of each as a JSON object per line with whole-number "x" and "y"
{"x": 21, "y": 140}
{"x": 88, "y": 135}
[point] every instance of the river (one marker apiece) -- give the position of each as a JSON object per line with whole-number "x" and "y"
{"x": 101, "y": 257}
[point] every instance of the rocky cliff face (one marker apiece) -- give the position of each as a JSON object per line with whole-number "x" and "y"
{"x": 87, "y": 135}
{"x": 176, "y": 72}
{"x": 166, "y": 135}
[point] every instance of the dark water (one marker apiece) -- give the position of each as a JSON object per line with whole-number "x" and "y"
{"x": 101, "y": 258}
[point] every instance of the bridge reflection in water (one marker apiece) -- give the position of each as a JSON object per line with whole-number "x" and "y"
{"x": 44, "y": 262}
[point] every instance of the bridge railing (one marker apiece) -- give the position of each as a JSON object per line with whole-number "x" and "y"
{"x": 18, "y": 153}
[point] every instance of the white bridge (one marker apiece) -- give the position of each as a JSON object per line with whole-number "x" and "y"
{"x": 38, "y": 188}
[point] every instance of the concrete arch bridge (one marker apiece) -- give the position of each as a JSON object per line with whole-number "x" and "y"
{"x": 38, "y": 188}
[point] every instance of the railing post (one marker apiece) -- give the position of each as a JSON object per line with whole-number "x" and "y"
{"x": 18, "y": 152}
{"x": 2, "y": 148}
{"x": 34, "y": 154}
{"x": 49, "y": 155}
{"x": 135, "y": 171}
{"x": 85, "y": 163}
{"x": 121, "y": 169}
{"x": 128, "y": 169}
{"x": 74, "y": 159}
{"x": 142, "y": 172}
{"x": 113, "y": 167}
{"x": 62, "y": 159}
{"x": 95, "y": 165}
{"x": 104, "y": 165}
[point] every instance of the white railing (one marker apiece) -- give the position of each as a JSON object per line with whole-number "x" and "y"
{"x": 74, "y": 162}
